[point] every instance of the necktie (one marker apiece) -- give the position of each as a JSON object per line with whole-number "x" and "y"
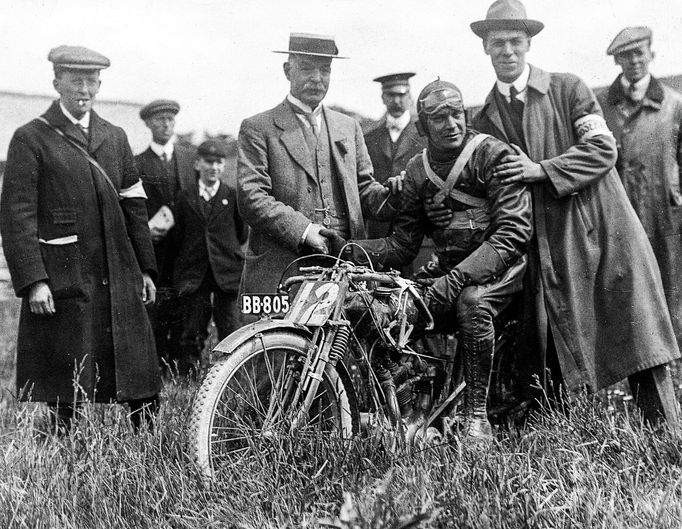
{"x": 313, "y": 123}
{"x": 632, "y": 89}
{"x": 515, "y": 103}
{"x": 83, "y": 130}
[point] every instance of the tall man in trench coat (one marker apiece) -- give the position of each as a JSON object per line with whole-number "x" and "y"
{"x": 79, "y": 251}
{"x": 597, "y": 290}
{"x": 646, "y": 117}
{"x": 301, "y": 168}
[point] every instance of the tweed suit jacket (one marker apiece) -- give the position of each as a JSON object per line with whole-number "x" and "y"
{"x": 276, "y": 186}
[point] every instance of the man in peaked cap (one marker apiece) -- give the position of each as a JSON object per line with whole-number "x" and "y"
{"x": 480, "y": 252}
{"x": 166, "y": 168}
{"x": 74, "y": 230}
{"x": 645, "y": 117}
{"x": 208, "y": 235}
{"x": 594, "y": 307}
{"x": 394, "y": 140}
{"x": 302, "y": 167}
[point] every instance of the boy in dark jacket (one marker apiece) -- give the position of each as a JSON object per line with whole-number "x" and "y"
{"x": 208, "y": 268}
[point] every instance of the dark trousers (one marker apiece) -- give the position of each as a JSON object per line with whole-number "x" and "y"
{"x": 197, "y": 309}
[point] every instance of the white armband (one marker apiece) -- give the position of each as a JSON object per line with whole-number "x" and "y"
{"x": 589, "y": 126}
{"x": 134, "y": 191}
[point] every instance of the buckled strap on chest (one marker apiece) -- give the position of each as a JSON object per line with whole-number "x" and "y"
{"x": 446, "y": 187}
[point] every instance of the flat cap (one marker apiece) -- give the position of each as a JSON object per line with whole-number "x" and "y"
{"x": 159, "y": 105}
{"x": 397, "y": 83}
{"x": 628, "y": 39}
{"x": 77, "y": 58}
{"x": 212, "y": 149}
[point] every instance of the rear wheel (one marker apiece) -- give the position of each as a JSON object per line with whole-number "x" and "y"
{"x": 246, "y": 402}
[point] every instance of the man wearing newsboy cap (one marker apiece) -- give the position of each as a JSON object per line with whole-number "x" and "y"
{"x": 593, "y": 288}
{"x": 74, "y": 230}
{"x": 166, "y": 168}
{"x": 646, "y": 119}
{"x": 302, "y": 167}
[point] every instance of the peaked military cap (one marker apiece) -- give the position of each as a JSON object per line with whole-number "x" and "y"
{"x": 212, "y": 149}
{"x": 77, "y": 58}
{"x": 396, "y": 83}
{"x": 506, "y": 14}
{"x": 628, "y": 39}
{"x": 159, "y": 105}
{"x": 311, "y": 44}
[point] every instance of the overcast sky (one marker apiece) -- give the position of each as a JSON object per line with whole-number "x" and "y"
{"x": 215, "y": 56}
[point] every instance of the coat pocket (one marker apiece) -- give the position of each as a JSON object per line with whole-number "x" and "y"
{"x": 63, "y": 263}
{"x": 584, "y": 213}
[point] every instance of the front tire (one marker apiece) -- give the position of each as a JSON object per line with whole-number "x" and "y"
{"x": 246, "y": 400}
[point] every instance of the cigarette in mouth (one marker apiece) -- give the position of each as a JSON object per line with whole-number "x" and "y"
{"x": 81, "y": 102}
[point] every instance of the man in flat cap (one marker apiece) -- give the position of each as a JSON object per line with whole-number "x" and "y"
{"x": 480, "y": 252}
{"x": 74, "y": 229}
{"x": 208, "y": 234}
{"x": 594, "y": 292}
{"x": 646, "y": 119}
{"x": 394, "y": 141}
{"x": 166, "y": 168}
{"x": 302, "y": 167}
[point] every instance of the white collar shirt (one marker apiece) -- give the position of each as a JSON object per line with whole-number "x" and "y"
{"x": 83, "y": 122}
{"x": 396, "y": 126}
{"x": 521, "y": 85}
{"x": 317, "y": 112}
{"x": 160, "y": 150}
{"x": 208, "y": 192}
{"x": 638, "y": 91}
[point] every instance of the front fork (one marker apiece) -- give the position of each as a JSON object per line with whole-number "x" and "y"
{"x": 327, "y": 347}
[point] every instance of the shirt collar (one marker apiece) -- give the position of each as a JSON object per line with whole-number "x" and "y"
{"x": 305, "y": 108}
{"x": 521, "y": 82}
{"x": 640, "y": 86}
{"x": 83, "y": 122}
{"x": 160, "y": 150}
{"x": 400, "y": 122}
{"x": 210, "y": 189}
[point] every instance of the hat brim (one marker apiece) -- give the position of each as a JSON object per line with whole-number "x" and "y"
{"x": 482, "y": 27}
{"x": 310, "y": 53}
{"x": 77, "y": 66}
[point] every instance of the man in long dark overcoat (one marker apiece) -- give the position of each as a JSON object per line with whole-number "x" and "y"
{"x": 598, "y": 298}
{"x": 645, "y": 117}
{"x": 79, "y": 251}
{"x": 166, "y": 168}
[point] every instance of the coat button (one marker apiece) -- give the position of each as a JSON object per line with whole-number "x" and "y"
{"x": 310, "y": 189}
{"x": 105, "y": 281}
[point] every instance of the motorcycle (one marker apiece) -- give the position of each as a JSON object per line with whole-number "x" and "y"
{"x": 346, "y": 356}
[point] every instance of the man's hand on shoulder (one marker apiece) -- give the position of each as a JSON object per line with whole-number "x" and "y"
{"x": 40, "y": 299}
{"x": 158, "y": 234}
{"x": 519, "y": 168}
{"x": 395, "y": 183}
{"x": 315, "y": 240}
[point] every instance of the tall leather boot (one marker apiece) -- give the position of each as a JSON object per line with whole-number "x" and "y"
{"x": 478, "y": 365}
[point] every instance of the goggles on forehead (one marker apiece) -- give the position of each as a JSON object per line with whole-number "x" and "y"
{"x": 441, "y": 99}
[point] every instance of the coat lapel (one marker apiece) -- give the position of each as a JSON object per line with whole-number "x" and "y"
{"x": 491, "y": 111}
{"x": 404, "y": 140}
{"x": 193, "y": 201}
{"x": 55, "y": 116}
{"x": 220, "y": 203}
{"x": 98, "y": 131}
{"x": 186, "y": 173}
{"x": 292, "y": 137}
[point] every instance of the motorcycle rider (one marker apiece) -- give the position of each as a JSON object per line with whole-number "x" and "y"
{"x": 480, "y": 254}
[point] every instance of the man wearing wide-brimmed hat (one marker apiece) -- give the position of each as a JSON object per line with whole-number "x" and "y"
{"x": 74, "y": 230}
{"x": 166, "y": 168}
{"x": 593, "y": 285}
{"x": 302, "y": 167}
{"x": 645, "y": 117}
{"x": 394, "y": 140}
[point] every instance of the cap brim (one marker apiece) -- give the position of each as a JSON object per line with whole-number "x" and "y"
{"x": 81, "y": 66}
{"x": 627, "y": 47}
{"x": 310, "y": 53}
{"x": 482, "y": 27}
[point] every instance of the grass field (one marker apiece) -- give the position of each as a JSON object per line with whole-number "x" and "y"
{"x": 594, "y": 466}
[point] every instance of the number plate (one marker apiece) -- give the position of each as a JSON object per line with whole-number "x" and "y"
{"x": 264, "y": 303}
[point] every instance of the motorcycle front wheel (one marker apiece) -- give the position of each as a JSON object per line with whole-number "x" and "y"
{"x": 246, "y": 403}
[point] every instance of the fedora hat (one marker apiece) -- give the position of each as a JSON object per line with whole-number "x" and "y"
{"x": 506, "y": 14}
{"x": 311, "y": 44}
